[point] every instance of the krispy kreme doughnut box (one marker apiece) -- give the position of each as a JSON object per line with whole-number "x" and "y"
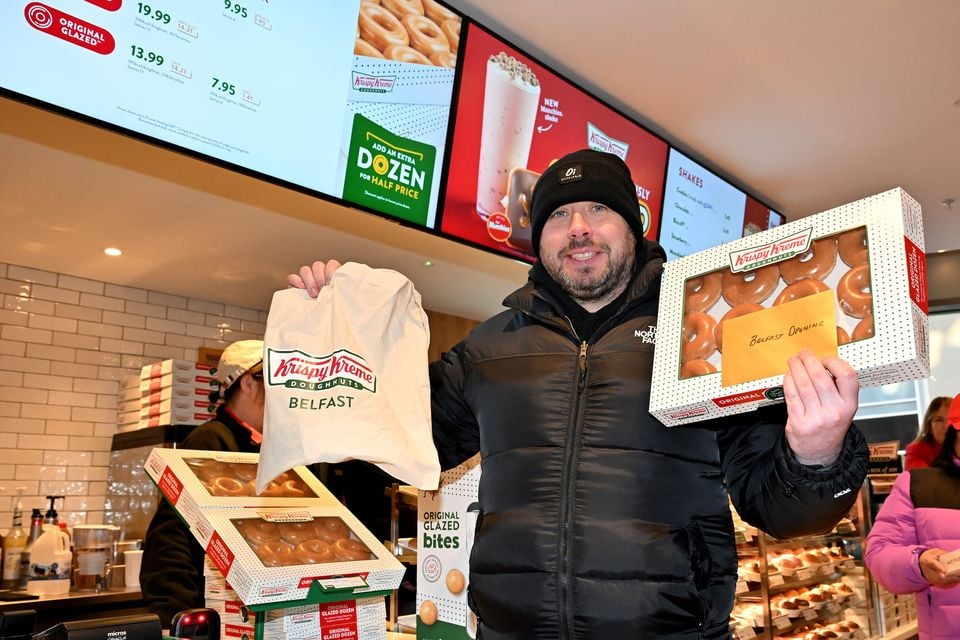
{"x": 299, "y": 555}
{"x": 869, "y": 254}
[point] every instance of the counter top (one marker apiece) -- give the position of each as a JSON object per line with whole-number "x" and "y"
{"x": 74, "y": 599}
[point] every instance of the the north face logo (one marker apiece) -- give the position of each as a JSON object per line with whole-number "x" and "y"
{"x": 648, "y": 335}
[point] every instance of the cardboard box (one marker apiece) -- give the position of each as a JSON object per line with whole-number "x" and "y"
{"x": 446, "y": 522}
{"x": 884, "y": 327}
{"x": 165, "y": 367}
{"x": 180, "y": 381}
{"x": 178, "y": 394}
{"x": 213, "y": 494}
{"x": 185, "y": 417}
{"x": 362, "y": 619}
{"x": 226, "y": 536}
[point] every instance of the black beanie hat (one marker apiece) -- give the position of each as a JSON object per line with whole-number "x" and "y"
{"x": 585, "y": 175}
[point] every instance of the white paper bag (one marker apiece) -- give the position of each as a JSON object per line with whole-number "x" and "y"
{"x": 346, "y": 378}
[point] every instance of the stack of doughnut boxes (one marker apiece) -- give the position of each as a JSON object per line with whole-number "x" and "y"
{"x": 870, "y": 252}
{"x": 289, "y": 553}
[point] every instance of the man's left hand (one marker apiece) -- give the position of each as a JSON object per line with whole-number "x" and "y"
{"x": 821, "y": 397}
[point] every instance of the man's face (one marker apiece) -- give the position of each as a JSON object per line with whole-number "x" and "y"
{"x": 589, "y": 250}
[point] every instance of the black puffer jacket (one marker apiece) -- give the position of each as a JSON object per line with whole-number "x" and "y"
{"x": 597, "y": 521}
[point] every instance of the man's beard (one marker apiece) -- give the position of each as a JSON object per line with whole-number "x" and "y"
{"x": 599, "y": 286}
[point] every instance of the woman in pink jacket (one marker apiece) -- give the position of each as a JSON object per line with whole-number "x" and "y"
{"x": 917, "y": 523}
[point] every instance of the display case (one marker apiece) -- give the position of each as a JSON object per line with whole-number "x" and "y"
{"x": 810, "y": 588}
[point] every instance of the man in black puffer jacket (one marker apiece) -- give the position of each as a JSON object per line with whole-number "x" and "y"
{"x": 597, "y": 521}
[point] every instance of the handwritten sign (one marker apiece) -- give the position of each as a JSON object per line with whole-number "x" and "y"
{"x": 757, "y": 345}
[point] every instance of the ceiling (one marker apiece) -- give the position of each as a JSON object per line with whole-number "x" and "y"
{"x": 807, "y": 104}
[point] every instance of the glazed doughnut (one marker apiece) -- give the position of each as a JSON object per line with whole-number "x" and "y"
{"x": 273, "y": 489}
{"x": 350, "y": 549}
{"x": 853, "y": 292}
{"x": 297, "y": 532}
{"x": 402, "y": 53}
{"x": 455, "y": 581}
{"x": 425, "y": 36}
{"x": 428, "y": 612}
{"x": 227, "y": 487}
{"x": 864, "y": 329}
{"x": 801, "y": 289}
{"x": 313, "y": 551}
{"x": 451, "y": 29}
{"x": 206, "y": 468}
{"x": 244, "y": 470}
{"x": 363, "y": 48}
{"x": 698, "y": 336}
{"x": 259, "y": 531}
{"x": 331, "y": 529}
{"x": 292, "y": 489}
{"x": 842, "y": 336}
{"x": 701, "y": 292}
{"x": 275, "y": 553}
{"x": 749, "y": 286}
{"x": 817, "y": 262}
{"x": 696, "y": 368}
{"x": 444, "y": 59}
{"x": 853, "y": 246}
{"x": 403, "y": 8}
{"x": 736, "y": 312}
{"x": 438, "y": 13}
{"x": 380, "y": 28}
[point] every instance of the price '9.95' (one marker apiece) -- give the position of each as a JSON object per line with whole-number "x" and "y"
{"x": 233, "y": 7}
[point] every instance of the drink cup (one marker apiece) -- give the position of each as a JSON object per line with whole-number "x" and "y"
{"x": 131, "y": 567}
{"x": 510, "y": 100}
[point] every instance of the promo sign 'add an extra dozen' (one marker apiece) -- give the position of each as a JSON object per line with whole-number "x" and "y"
{"x": 850, "y": 281}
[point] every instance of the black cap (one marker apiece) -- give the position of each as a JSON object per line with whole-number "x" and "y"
{"x": 585, "y": 175}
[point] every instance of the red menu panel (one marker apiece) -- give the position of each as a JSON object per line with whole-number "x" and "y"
{"x": 514, "y": 118}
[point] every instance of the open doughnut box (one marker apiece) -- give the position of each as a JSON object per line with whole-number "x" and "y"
{"x": 300, "y": 546}
{"x": 869, "y": 252}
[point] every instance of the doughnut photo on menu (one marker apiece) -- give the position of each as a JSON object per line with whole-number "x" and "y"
{"x": 838, "y": 263}
{"x": 415, "y": 31}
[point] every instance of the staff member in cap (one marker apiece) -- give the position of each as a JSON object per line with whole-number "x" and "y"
{"x": 596, "y": 521}
{"x": 171, "y": 576}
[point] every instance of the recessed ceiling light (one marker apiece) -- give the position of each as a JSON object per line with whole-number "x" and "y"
{"x": 113, "y": 251}
{"x": 428, "y": 263}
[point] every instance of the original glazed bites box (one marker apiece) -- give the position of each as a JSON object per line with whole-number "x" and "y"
{"x": 870, "y": 253}
{"x": 445, "y": 526}
{"x": 272, "y": 555}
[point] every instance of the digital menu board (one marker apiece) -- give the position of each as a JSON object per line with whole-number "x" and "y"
{"x": 701, "y": 210}
{"x": 513, "y": 118}
{"x": 336, "y": 96}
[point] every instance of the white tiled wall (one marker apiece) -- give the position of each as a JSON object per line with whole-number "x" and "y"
{"x": 65, "y": 343}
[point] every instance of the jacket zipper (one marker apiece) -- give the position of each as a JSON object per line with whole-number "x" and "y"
{"x": 565, "y": 612}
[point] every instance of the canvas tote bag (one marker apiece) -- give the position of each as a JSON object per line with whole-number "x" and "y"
{"x": 346, "y": 378}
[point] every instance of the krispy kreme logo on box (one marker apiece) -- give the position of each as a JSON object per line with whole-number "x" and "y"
{"x": 285, "y": 516}
{"x": 599, "y": 141}
{"x": 783, "y": 249}
{"x": 373, "y": 84}
{"x": 298, "y": 370}
{"x": 689, "y": 413}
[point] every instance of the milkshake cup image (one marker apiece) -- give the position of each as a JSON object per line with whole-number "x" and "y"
{"x": 510, "y": 100}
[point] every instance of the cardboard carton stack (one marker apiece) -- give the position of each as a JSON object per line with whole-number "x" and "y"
{"x": 175, "y": 392}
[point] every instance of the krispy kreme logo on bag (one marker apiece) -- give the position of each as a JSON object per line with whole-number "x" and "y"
{"x": 298, "y": 370}
{"x": 783, "y": 249}
{"x": 599, "y": 141}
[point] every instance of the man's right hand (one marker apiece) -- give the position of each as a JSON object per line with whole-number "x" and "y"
{"x": 312, "y": 277}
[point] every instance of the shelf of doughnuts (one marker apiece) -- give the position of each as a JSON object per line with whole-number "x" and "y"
{"x": 865, "y": 260}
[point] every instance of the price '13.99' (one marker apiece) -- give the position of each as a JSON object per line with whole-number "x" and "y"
{"x": 147, "y": 56}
